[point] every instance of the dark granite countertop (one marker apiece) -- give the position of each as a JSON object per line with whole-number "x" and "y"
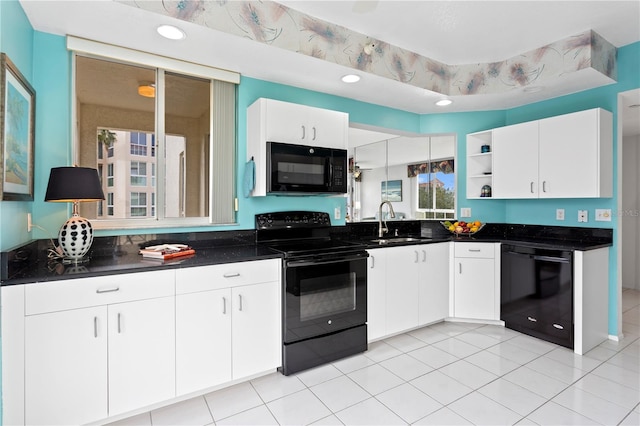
{"x": 119, "y": 254}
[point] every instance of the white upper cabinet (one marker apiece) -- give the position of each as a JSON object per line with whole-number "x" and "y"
{"x": 515, "y": 157}
{"x": 300, "y": 124}
{"x": 576, "y": 155}
{"x": 269, "y": 120}
{"x": 567, "y": 156}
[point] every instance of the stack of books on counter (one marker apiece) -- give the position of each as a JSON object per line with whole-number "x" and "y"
{"x": 166, "y": 251}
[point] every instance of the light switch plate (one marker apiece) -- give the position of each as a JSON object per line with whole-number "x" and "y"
{"x": 603, "y": 215}
{"x": 336, "y": 213}
{"x": 559, "y": 214}
{"x": 583, "y": 216}
{"x": 465, "y": 212}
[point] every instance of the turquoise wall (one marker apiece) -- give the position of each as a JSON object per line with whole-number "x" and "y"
{"x": 16, "y": 40}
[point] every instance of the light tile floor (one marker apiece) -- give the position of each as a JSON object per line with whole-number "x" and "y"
{"x": 445, "y": 374}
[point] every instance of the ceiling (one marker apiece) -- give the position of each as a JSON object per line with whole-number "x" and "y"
{"x": 452, "y": 32}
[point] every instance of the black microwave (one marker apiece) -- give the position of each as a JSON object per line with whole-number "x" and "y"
{"x": 305, "y": 169}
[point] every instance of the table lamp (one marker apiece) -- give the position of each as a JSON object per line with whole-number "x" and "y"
{"x": 72, "y": 185}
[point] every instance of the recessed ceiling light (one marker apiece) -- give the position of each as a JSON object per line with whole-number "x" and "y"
{"x": 532, "y": 89}
{"x": 350, "y": 78}
{"x": 171, "y": 32}
{"x": 444, "y": 102}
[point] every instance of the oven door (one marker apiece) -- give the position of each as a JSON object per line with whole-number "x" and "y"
{"x": 324, "y": 295}
{"x": 305, "y": 169}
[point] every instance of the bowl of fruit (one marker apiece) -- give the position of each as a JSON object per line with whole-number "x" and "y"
{"x": 463, "y": 228}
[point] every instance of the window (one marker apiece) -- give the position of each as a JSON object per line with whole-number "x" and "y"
{"x": 100, "y": 150}
{"x": 138, "y": 143}
{"x": 138, "y": 204}
{"x": 110, "y": 203}
{"x": 100, "y": 203}
{"x": 138, "y": 173}
{"x": 435, "y": 180}
{"x": 110, "y": 174}
{"x": 182, "y": 150}
{"x": 436, "y": 190}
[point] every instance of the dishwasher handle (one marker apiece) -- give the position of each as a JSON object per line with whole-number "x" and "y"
{"x": 542, "y": 258}
{"x": 553, "y": 259}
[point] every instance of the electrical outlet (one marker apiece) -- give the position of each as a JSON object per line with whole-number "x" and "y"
{"x": 583, "y": 216}
{"x": 465, "y": 212}
{"x": 603, "y": 215}
{"x": 337, "y": 213}
{"x": 559, "y": 214}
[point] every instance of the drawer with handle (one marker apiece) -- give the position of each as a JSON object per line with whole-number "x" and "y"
{"x": 96, "y": 291}
{"x": 483, "y": 250}
{"x": 191, "y": 280}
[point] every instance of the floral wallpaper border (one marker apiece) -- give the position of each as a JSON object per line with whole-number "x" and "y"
{"x": 274, "y": 24}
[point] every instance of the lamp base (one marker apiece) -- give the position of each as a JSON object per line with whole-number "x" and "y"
{"x": 75, "y": 238}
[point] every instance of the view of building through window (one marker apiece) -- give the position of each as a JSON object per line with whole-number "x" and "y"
{"x": 436, "y": 195}
{"x": 130, "y": 173}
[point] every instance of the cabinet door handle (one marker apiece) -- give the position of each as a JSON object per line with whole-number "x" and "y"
{"x": 239, "y": 302}
{"x": 224, "y": 306}
{"x": 373, "y": 261}
{"x": 231, "y": 275}
{"x": 424, "y": 255}
{"x": 532, "y": 319}
{"x": 119, "y": 323}
{"x": 417, "y": 256}
{"x": 544, "y": 186}
{"x": 475, "y": 250}
{"x": 304, "y": 133}
{"x": 95, "y": 327}
{"x": 532, "y": 187}
{"x": 460, "y": 267}
{"x": 314, "y": 133}
{"x": 107, "y": 290}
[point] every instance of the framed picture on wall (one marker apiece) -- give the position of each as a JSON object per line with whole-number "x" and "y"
{"x": 17, "y": 133}
{"x": 392, "y": 190}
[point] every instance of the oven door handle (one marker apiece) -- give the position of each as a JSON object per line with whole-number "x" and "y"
{"x": 313, "y": 262}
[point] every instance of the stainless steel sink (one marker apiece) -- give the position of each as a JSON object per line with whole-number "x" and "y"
{"x": 396, "y": 240}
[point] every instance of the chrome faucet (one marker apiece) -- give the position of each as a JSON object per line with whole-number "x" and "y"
{"x": 383, "y": 229}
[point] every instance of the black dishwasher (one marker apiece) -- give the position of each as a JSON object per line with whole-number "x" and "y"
{"x": 536, "y": 296}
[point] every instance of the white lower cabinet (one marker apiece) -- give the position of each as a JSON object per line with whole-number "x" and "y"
{"x": 227, "y": 323}
{"x": 476, "y": 277}
{"x": 256, "y": 331}
{"x": 407, "y": 286}
{"x": 403, "y": 288}
{"x": 141, "y": 353}
{"x": 82, "y": 350}
{"x": 434, "y": 282}
{"x": 86, "y": 363}
{"x": 377, "y": 294}
{"x": 66, "y": 367}
{"x": 203, "y": 339}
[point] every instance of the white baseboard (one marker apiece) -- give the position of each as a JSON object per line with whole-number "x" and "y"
{"x": 617, "y": 338}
